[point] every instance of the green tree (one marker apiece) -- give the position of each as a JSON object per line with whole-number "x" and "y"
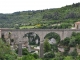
{"x": 24, "y": 51}
{"x": 74, "y": 53}
{"x": 5, "y": 52}
{"x": 77, "y": 39}
{"x": 72, "y": 42}
{"x": 78, "y": 57}
{"x": 49, "y": 55}
{"x": 58, "y": 56}
{"x": 65, "y": 42}
{"x": 68, "y": 58}
{"x": 74, "y": 34}
{"x": 12, "y": 56}
{"x": 54, "y": 47}
{"x": 28, "y": 57}
{"x": 35, "y": 55}
{"x": 47, "y": 46}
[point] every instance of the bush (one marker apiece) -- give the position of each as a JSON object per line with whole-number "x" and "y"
{"x": 28, "y": 57}
{"x": 47, "y": 46}
{"x": 24, "y": 51}
{"x": 49, "y": 55}
{"x": 35, "y": 56}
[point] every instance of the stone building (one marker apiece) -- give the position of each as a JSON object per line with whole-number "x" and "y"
{"x": 77, "y": 25}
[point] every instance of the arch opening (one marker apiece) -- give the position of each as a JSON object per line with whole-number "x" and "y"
{"x": 53, "y": 37}
{"x": 33, "y": 38}
{"x": 51, "y": 42}
{"x": 33, "y": 42}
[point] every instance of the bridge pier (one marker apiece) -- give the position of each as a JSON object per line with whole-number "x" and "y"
{"x": 41, "y": 50}
{"x": 20, "y": 49}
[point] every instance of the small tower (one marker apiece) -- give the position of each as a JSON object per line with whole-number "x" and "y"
{"x": 77, "y": 25}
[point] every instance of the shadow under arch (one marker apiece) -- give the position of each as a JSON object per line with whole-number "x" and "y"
{"x": 53, "y": 35}
{"x": 33, "y": 42}
{"x": 33, "y": 38}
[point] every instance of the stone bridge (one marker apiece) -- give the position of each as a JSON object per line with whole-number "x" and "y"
{"x": 18, "y": 34}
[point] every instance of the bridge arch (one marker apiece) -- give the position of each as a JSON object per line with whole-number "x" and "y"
{"x": 18, "y": 34}
{"x": 53, "y": 35}
{"x": 33, "y": 41}
{"x": 33, "y": 38}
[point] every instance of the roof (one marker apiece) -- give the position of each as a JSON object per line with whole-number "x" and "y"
{"x": 77, "y": 22}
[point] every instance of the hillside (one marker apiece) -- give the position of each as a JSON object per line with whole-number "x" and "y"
{"x": 42, "y": 18}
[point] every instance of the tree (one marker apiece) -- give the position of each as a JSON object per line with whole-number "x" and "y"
{"x": 10, "y": 56}
{"x": 74, "y": 34}
{"x": 35, "y": 55}
{"x": 58, "y": 56}
{"x": 77, "y": 39}
{"x": 65, "y": 42}
{"x": 47, "y": 46}
{"x": 28, "y": 57}
{"x": 74, "y": 53}
{"x": 49, "y": 55}
{"x": 78, "y": 57}
{"x": 54, "y": 47}
{"x": 5, "y": 52}
{"x": 66, "y": 50}
{"x": 71, "y": 15}
{"x": 24, "y": 51}
{"x": 72, "y": 42}
{"x": 68, "y": 58}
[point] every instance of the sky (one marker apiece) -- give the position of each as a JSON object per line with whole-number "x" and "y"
{"x": 10, "y": 6}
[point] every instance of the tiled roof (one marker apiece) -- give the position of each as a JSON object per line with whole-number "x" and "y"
{"x": 77, "y": 22}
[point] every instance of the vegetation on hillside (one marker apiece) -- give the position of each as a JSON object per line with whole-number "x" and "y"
{"x": 49, "y": 18}
{"x": 5, "y": 52}
{"x": 70, "y": 45}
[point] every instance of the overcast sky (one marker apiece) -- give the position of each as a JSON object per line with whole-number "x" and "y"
{"x": 10, "y": 6}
